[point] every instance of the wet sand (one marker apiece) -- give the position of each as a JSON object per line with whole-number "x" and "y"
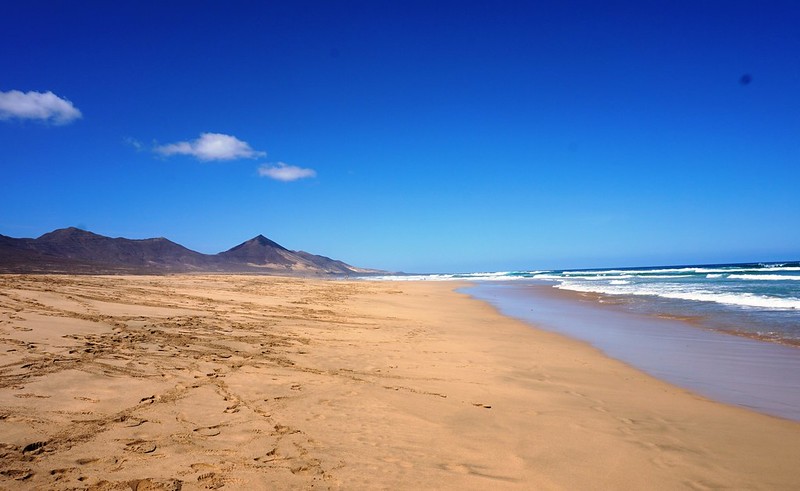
{"x": 747, "y": 372}
{"x": 247, "y": 382}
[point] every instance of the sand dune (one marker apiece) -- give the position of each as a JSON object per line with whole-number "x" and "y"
{"x": 248, "y": 382}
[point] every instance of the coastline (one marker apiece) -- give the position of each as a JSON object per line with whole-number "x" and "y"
{"x": 695, "y": 320}
{"x": 754, "y": 300}
{"x": 242, "y": 382}
{"x": 734, "y": 369}
{"x": 700, "y": 321}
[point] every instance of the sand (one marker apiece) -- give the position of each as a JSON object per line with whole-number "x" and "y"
{"x": 737, "y": 370}
{"x": 250, "y": 382}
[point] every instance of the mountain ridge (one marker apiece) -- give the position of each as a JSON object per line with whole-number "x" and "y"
{"x": 73, "y": 250}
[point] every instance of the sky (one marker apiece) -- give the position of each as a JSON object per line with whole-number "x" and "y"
{"x": 417, "y": 136}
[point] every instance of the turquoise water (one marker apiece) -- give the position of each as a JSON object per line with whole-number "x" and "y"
{"x": 759, "y": 300}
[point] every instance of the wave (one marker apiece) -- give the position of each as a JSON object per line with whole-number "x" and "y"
{"x": 547, "y": 276}
{"x": 663, "y": 276}
{"x": 597, "y": 278}
{"x": 738, "y": 299}
{"x": 488, "y": 276}
{"x": 644, "y": 271}
{"x": 779, "y": 265}
{"x": 747, "y": 270}
{"x": 639, "y": 281}
{"x": 659, "y": 272}
{"x": 764, "y": 277}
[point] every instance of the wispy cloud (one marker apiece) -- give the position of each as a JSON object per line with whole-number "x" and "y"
{"x": 284, "y": 172}
{"x": 133, "y": 142}
{"x": 44, "y": 106}
{"x": 212, "y": 146}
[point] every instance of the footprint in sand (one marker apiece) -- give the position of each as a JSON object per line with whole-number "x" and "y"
{"x": 284, "y": 430}
{"x": 210, "y": 480}
{"x": 149, "y": 483}
{"x": 87, "y": 399}
{"x": 63, "y": 473}
{"x": 148, "y": 400}
{"x": 268, "y": 457}
{"x": 34, "y": 448}
{"x": 208, "y": 431}
{"x": 133, "y": 422}
{"x": 18, "y": 474}
{"x": 141, "y": 446}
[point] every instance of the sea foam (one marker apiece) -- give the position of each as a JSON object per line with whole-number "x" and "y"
{"x": 666, "y": 291}
{"x": 764, "y": 277}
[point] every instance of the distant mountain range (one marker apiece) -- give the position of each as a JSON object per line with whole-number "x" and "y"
{"x": 72, "y": 250}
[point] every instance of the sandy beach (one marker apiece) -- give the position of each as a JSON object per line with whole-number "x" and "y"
{"x": 253, "y": 382}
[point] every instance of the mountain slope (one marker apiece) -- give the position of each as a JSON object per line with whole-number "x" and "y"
{"x": 159, "y": 253}
{"x": 262, "y": 253}
{"x": 258, "y": 251}
{"x": 71, "y": 250}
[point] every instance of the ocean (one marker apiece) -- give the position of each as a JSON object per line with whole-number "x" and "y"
{"x": 758, "y": 300}
{"x": 730, "y": 332}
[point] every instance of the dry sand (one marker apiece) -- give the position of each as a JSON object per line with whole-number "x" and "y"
{"x": 246, "y": 382}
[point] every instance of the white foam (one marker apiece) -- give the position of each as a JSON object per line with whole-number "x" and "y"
{"x": 691, "y": 270}
{"x": 742, "y": 299}
{"x": 410, "y": 277}
{"x": 650, "y": 272}
{"x": 748, "y": 270}
{"x": 547, "y": 276}
{"x": 487, "y": 276}
{"x": 734, "y": 272}
{"x": 739, "y": 299}
{"x": 598, "y": 277}
{"x": 764, "y": 277}
{"x": 662, "y": 276}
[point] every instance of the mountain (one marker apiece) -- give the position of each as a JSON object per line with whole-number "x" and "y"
{"x": 80, "y": 245}
{"x": 72, "y": 250}
{"x": 332, "y": 264}
{"x": 259, "y": 252}
{"x": 262, "y": 253}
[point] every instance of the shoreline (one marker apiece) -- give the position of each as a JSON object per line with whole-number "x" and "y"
{"x": 199, "y": 381}
{"x": 621, "y": 303}
{"x": 754, "y": 300}
{"x": 606, "y": 300}
{"x": 731, "y": 369}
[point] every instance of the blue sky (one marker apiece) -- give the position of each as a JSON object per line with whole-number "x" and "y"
{"x": 415, "y": 136}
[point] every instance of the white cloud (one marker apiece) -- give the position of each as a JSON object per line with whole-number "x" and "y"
{"x": 284, "y": 172}
{"x": 212, "y": 146}
{"x": 45, "y": 106}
